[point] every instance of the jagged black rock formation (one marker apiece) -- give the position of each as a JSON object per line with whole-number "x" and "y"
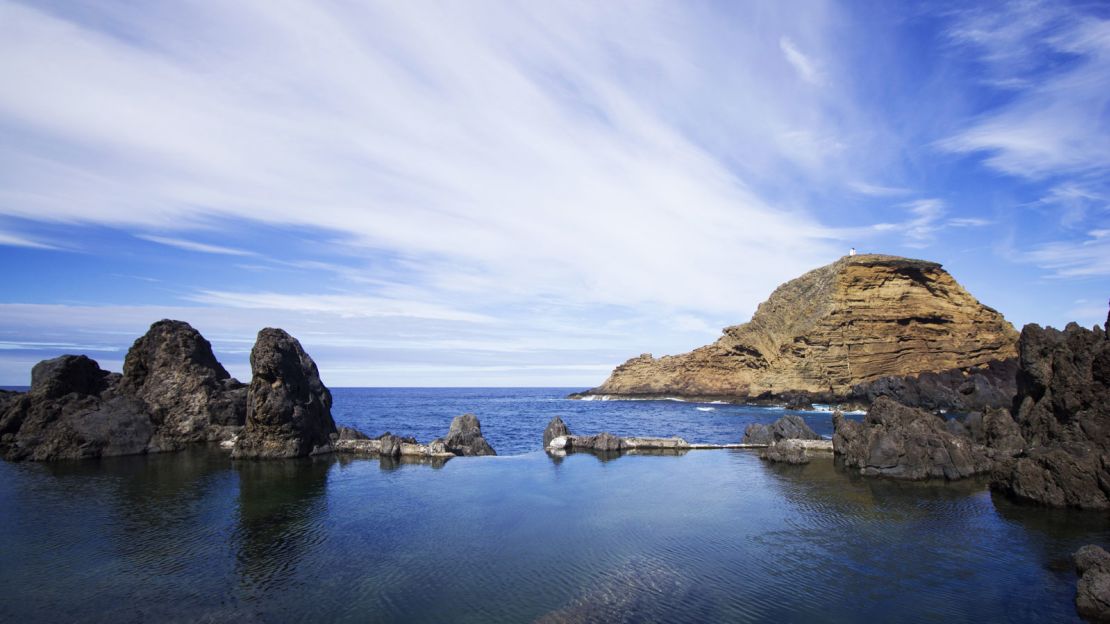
{"x": 188, "y": 393}
{"x": 789, "y": 427}
{"x": 1063, "y": 410}
{"x": 173, "y": 392}
{"x": 465, "y": 437}
{"x": 288, "y": 407}
{"x": 971, "y": 389}
{"x": 902, "y": 442}
{"x": 73, "y": 411}
{"x": 1092, "y": 596}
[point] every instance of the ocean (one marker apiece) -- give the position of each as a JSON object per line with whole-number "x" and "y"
{"x": 708, "y": 536}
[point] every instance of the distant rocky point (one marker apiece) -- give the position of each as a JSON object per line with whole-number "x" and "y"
{"x": 862, "y": 327}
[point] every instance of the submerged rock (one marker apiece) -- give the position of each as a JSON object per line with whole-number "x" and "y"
{"x": 906, "y": 443}
{"x": 1092, "y": 597}
{"x": 1063, "y": 411}
{"x": 465, "y": 437}
{"x": 188, "y": 393}
{"x": 288, "y": 407}
{"x": 789, "y": 427}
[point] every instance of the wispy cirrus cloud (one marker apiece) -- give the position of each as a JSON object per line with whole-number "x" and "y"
{"x": 189, "y": 245}
{"x": 536, "y": 147}
{"x": 18, "y": 240}
{"x": 1068, "y": 259}
{"x": 1057, "y": 62}
{"x": 805, "y": 67}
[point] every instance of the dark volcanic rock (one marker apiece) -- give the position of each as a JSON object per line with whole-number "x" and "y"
{"x": 51, "y": 379}
{"x": 1092, "y": 597}
{"x": 73, "y": 411}
{"x": 288, "y": 407}
{"x": 465, "y": 437}
{"x": 996, "y": 430}
{"x": 188, "y": 393}
{"x": 1063, "y": 410}
{"x": 350, "y": 433}
{"x": 906, "y": 443}
{"x": 789, "y": 427}
{"x": 391, "y": 445}
{"x": 785, "y": 451}
{"x": 975, "y": 388}
{"x": 554, "y": 429}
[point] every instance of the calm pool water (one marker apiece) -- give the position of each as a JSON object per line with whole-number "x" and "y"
{"x": 706, "y": 536}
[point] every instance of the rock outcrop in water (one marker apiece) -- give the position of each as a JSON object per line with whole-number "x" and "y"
{"x": 172, "y": 393}
{"x": 789, "y": 427}
{"x": 558, "y": 439}
{"x": 73, "y": 410}
{"x": 902, "y": 442}
{"x": 188, "y": 393}
{"x": 288, "y": 407}
{"x": 1092, "y": 597}
{"x": 833, "y": 333}
{"x": 465, "y": 437}
{"x": 1063, "y": 409}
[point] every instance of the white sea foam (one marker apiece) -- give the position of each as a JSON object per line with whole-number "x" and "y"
{"x": 705, "y": 409}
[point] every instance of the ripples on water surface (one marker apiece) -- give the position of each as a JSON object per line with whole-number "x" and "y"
{"x": 708, "y": 536}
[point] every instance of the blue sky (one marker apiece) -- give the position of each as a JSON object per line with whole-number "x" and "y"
{"x": 503, "y": 193}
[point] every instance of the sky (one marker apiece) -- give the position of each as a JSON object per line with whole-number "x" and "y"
{"x": 529, "y": 193}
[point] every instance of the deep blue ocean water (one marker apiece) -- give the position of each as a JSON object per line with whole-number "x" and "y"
{"x": 513, "y": 419}
{"x": 708, "y": 536}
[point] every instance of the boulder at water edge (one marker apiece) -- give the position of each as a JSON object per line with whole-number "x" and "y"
{"x": 288, "y": 407}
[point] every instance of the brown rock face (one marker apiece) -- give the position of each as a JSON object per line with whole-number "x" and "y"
{"x": 857, "y": 320}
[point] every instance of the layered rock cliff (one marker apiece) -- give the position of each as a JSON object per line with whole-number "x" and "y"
{"x": 848, "y": 324}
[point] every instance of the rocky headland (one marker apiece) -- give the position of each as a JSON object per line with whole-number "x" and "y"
{"x": 862, "y": 327}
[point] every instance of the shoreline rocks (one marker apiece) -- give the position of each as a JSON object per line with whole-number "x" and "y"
{"x": 464, "y": 438}
{"x": 789, "y": 427}
{"x": 1063, "y": 411}
{"x": 902, "y": 442}
{"x": 172, "y": 393}
{"x": 1092, "y": 596}
{"x": 288, "y": 407}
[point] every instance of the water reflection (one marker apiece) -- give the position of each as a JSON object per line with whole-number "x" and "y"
{"x": 281, "y": 510}
{"x": 557, "y": 456}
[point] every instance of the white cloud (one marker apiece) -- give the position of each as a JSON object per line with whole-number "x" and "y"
{"x": 922, "y": 227}
{"x": 341, "y": 305}
{"x": 806, "y": 68}
{"x": 1055, "y": 124}
{"x": 1087, "y": 258}
{"x": 877, "y": 190}
{"x": 544, "y": 150}
{"x": 17, "y": 240}
{"x": 189, "y": 245}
